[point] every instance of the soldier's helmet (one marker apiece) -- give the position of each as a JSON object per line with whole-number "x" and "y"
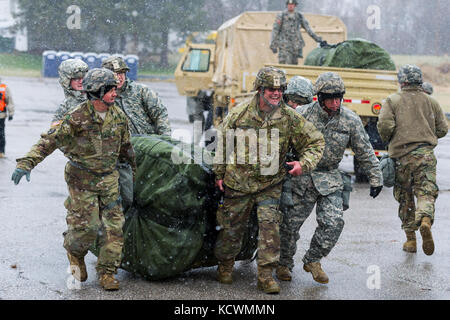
{"x": 270, "y": 77}
{"x": 410, "y": 74}
{"x": 115, "y": 64}
{"x": 71, "y": 69}
{"x": 427, "y": 88}
{"x": 329, "y": 83}
{"x": 99, "y": 81}
{"x": 300, "y": 86}
{"x": 291, "y": 2}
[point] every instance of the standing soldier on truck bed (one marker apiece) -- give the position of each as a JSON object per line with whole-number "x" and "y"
{"x": 412, "y": 122}
{"x": 287, "y": 37}
{"x": 249, "y": 183}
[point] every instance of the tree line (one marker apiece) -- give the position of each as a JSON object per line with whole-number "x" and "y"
{"x": 143, "y": 26}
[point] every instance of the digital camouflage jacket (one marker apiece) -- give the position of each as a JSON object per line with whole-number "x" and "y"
{"x": 342, "y": 130}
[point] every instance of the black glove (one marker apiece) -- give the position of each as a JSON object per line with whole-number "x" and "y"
{"x": 375, "y": 191}
{"x": 10, "y": 118}
{"x": 323, "y": 44}
{"x": 274, "y": 50}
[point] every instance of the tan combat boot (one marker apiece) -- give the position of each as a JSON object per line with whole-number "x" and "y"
{"x": 283, "y": 273}
{"x": 224, "y": 272}
{"x": 108, "y": 282}
{"x": 77, "y": 267}
{"x": 317, "y": 273}
{"x": 410, "y": 245}
{"x": 266, "y": 282}
{"x": 427, "y": 237}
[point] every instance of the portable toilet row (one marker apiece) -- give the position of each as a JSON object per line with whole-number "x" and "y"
{"x": 52, "y": 59}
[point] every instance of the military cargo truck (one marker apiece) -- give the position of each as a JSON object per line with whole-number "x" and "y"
{"x": 221, "y": 75}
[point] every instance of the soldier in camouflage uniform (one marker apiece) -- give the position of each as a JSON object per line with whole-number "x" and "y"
{"x": 411, "y": 122}
{"x": 287, "y": 37}
{"x": 94, "y": 136}
{"x": 71, "y": 73}
{"x": 323, "y": 187}
{"x": 144, "y": 108}
{"x": 257, "y": 180}
{"x": 300, "y": 91}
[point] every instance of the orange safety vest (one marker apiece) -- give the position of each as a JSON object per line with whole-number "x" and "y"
{"x": 2, "y": 97}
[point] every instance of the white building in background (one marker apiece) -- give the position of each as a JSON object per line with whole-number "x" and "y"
{"x": 8, "y": 8}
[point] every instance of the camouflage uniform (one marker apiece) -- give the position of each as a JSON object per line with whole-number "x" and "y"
{"x": 323, "y": 187}
{"x": 68, "y": 70}
{"x": 143, "y": 107}
{"x": 246, "y": 185}
{"x": 411, "y": 122}
{"x": 287, "y": 37}
{"x": 93, "y": 147}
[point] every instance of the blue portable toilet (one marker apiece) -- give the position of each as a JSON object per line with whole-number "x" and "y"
{"x": 62, "y": 56}
{"x": 91, "y": 59}
{"x": 49, "y": 64}
{"x": 132, "y": 62}
{"x": 100, "y": 58}
{"x": 77, "y": 55}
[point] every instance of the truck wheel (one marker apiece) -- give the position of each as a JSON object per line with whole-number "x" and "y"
{"x": 360, "y": 176}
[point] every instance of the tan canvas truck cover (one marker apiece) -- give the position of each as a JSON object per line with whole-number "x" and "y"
{"x": 242, "y": 46}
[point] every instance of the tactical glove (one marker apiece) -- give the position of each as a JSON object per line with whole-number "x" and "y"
{"x": 18, "y": 174}
{"x": 323, "y": 44}
{"x": 375, "y": 191}
{"x": 10, "y": 118}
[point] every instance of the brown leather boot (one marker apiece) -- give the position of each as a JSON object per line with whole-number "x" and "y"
{"x": 77, "y": 267}
{"x": 266, "y": 282}
{"x": 410, "y": 245}
{"x": 317, "y": 273}
{"x": 283, "y": 273}
{"x": 427, "y": 237}
{"x": 108, "y": 282}
{"x": 224, "y": 272}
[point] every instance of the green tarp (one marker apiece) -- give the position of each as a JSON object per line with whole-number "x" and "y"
{"x": 357, "y": 53}
{"x": 171, "y": 225}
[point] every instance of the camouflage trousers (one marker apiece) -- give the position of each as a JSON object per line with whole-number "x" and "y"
{"x": 233, "y": 218}
{"x": 287, "y": 56}
{"x": 415, "y": 176}
{"x": 94, "y": 207}
{"x": 329, "y": 215}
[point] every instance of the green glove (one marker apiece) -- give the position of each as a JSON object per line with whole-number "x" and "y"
{"x": 18, "y": 174}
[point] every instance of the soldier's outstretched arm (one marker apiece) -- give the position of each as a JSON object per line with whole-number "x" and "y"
{"x": 305, "y": 25}
{"x": 308, "y": 142}
{"x": 126, "y": 153}
{"x": 275, "y": 33}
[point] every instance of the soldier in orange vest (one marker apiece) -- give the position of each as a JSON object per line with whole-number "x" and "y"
{"x": 6, "y": 110}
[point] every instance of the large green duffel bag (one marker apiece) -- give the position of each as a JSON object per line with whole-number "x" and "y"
{"x": 171, "y": 225}
{"x": 356, "y": 53}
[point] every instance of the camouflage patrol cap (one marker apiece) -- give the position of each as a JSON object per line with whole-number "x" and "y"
{"x": 300, "y": 86}
{"x": 71, "y": 69}
{"x": 115, "y": 64}
{"x": 99, "y": 78}
{"x": 410, "y": 74}
{"x": 270, "y": 77}
{"x": 427, "y": 88}
{"x": 291, "y": 2}
{"x": 329, "y": 83}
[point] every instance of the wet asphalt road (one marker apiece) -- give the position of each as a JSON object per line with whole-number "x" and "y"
{"x": 367, "y": 262}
